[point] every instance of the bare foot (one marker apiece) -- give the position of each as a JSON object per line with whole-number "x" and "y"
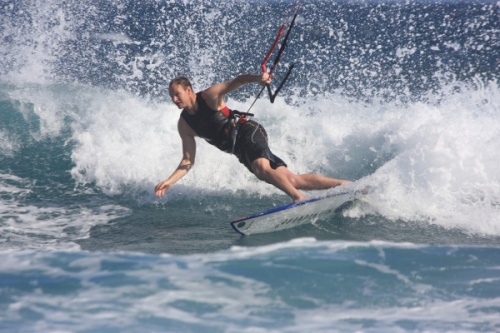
{"x": 299, "y": 198}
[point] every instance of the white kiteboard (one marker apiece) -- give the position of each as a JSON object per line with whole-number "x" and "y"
{"x": 294, "y": 214}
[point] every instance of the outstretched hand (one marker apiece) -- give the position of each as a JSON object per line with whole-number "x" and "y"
{"x": 162, "y": 187}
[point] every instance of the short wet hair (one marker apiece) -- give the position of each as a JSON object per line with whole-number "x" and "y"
{"x": 181, "y": 80}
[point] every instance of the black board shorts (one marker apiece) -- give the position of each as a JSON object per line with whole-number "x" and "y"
{"x": 252, "y": 143}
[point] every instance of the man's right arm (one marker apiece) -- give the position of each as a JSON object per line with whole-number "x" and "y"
{"x": 188, "y": 157}
{"x": 214, "y": 94}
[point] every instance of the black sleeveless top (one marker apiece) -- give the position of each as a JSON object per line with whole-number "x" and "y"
{"x": 211, "y": 125}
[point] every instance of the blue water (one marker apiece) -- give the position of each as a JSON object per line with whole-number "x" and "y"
{"x": 401, "y": 96}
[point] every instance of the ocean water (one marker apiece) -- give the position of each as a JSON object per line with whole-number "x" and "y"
{"x": 402, "y": 96}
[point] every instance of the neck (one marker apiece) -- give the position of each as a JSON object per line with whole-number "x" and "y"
{"x": 194, "y": 105}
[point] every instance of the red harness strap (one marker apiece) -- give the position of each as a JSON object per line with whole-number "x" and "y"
{"x": 227, "y": 112}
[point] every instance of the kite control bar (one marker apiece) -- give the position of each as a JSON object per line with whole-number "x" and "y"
{"x": 281, "y": 49}
{"x": 272, "y": 95}
{"x": 279, "y": 55}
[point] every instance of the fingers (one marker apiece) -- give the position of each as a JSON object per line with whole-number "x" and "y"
{"x": 265, "y": 78}
{"x": 161, "y": 188}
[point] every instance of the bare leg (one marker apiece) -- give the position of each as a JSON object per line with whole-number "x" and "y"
{"x": 316, "y": 182}
{"x": 262, "y": 169}
{"x": 291, "y": 183}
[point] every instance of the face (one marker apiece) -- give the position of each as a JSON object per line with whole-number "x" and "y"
{"x": 180, "y": 96}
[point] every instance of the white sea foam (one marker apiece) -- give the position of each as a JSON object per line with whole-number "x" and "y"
{"x": 445, "y": 169}
{"x": 46, "y": 226}
{"x": 434, "y": 162}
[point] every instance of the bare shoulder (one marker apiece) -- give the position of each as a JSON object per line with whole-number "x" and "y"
{"x": 212, "y": 96}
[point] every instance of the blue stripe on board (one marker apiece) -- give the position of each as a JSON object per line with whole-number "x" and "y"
{"x": 282, "y": 208}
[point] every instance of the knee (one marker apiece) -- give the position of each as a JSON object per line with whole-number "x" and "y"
{"x": 293, "y": 179}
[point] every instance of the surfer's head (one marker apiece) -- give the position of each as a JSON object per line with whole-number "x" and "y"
{"x": 181, "y": 92}
{"x": 182, "y": 81}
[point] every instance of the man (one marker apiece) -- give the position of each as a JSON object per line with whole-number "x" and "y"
{"x": 206, "y": 115}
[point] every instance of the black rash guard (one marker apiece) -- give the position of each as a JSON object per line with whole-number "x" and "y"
{"x": 216, "y": 126}
{"x": 211, "y": 125}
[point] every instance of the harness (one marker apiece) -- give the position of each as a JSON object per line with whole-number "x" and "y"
{"x": 218, "y": 127}
{"x": 236, "y": 120}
